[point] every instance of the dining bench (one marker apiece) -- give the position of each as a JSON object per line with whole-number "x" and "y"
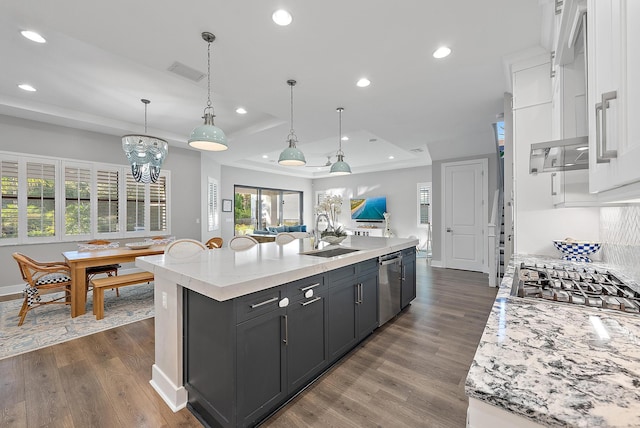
{"x": 109, "y": 282}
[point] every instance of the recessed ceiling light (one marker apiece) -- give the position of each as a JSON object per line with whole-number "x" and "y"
{"x": 33, "y": 36}
{"x": 265, "y": 157}
{"x": 26, "y": 87}
{"x": 345, "y": 138}
{"x": 241, "y": 110}
{"x": 583, "y": 148}
{"x": 282, "y": 17}
{"x": 391, "y": 157}
{"x": 441, "y": 52}
{"x": 363, "y": 83}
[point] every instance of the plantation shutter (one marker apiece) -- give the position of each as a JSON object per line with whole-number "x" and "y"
{"x": 9, "y": 199}
{"x": 41, "y": 199}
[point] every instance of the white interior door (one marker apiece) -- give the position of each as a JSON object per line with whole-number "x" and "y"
{"x": 464, "y": 193}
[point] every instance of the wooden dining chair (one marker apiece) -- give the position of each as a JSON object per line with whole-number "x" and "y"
{"x": 215, "y": 242}
{"x": 42, "y": 276}
{"x": 109, "y": 270}
{"x": 242, "y": 242}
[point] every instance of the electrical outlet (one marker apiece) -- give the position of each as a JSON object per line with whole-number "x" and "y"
{"x": 164, "y": 299}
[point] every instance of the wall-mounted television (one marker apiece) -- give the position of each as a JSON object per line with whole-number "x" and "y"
{"x": 368, "y": 209}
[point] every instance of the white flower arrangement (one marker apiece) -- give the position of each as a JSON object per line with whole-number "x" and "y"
{"x": 331, "y": 205}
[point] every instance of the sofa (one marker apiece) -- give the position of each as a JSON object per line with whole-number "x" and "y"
{"x": 274, "y": 230}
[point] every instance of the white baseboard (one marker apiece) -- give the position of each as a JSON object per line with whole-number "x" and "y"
{"x": 436, "y": 263}
{"x": 175, "y": 397}
{"x": 8, "y": 290}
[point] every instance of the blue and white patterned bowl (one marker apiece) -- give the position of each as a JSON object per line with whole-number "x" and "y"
{"x": 577, "y": 251}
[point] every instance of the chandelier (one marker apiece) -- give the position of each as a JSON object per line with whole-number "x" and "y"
{"x": 145, "y": 153}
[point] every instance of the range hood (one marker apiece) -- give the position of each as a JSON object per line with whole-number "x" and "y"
{"x": 560, "y": 155}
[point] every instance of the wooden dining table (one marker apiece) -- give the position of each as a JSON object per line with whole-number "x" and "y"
{"x": 79, "y": 261}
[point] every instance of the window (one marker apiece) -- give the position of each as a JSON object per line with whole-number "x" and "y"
{"x": 259, "y": 208}
{"x": 213, "y": 218}
{"x": 41, "y": 199}
{"x": 158, "y": 205}
{"x": 9, "y": 197}
{"x": 77, "y": 201}
{"x": 52, "y": 200}
{"x": 107, "y": 194}
{"x": 135, "y": 205}
{"x": 424, "y": 204}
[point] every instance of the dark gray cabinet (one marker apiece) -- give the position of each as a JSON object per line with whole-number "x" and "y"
{"x": 245, "y": 357}
{"x": 353, "y": 306}
{"x": 408, "y": 285}
{"x": 306, "y": 339}
{"x": 261, "y": 365}
{"x": 367, "y": 304}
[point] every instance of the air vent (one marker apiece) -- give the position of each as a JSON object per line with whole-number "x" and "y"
{"x": 417, "y": 150}
{"x": 186, "y": 72}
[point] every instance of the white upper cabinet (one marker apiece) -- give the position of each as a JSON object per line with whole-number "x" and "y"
{"x": 613, "y": 93}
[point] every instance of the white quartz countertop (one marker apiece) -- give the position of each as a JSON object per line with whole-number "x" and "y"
{"x": 547, "y": 362}
{"x": 224, "y": 274}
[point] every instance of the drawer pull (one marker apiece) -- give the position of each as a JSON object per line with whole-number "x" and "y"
{"x": 309, "y": 287}
{"x": 311, "y": 301}
{"x": 266, "y": 302}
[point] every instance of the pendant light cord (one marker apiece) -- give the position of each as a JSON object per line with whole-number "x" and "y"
{"x": 145, "y": 117}
{"x": 291, "y": 131}
{"x": 209, "y": 75}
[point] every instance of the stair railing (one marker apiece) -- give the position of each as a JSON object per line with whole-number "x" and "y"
{"x": 494, "y": 239}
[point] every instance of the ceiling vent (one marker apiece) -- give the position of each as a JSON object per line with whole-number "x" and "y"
{"x": 417, "y": 150}
{"x": 186, "y": 72}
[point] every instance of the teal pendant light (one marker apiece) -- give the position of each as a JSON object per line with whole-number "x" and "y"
{"x": 208, "y": 136}
{"x": 292, "y": 156}
{"x": 340, "y": 167}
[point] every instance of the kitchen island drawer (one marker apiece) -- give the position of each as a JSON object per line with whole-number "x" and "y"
{"x": 256, "y": 304}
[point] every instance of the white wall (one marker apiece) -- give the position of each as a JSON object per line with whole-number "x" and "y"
{"x": 30, "y": 137}
{"x": 231, "y": 176}
{"x": 399, "y": 186}
{"x": 209, "y": 167}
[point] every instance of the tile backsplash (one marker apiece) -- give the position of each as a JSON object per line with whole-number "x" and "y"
{"x": 620, "y": 236}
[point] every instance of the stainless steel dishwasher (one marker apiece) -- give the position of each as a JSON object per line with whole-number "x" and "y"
{"x": 390, "y": 267}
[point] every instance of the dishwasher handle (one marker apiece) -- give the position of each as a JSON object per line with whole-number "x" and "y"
{"x": 390, "y": 259}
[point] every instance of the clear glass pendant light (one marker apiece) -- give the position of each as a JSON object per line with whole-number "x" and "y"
{"x": 145, "y": 153}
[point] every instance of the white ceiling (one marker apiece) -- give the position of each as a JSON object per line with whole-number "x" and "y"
{"x": 101, "y": 58}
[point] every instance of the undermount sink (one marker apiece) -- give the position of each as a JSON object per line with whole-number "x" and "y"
{"x": 331, "y": 252}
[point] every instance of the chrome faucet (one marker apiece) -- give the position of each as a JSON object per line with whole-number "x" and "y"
{"x": 316, "y": 232}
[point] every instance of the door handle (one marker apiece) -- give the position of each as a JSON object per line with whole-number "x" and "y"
{"x": 606, "y": 97}
{"x": 286, "y": 330}
{"x": 449, "y": 229}
{"x": 553, "y": 192}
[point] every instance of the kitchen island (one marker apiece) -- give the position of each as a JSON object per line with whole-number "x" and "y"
{"x": 542, "y": 363}
{"x": 229, "y": 305}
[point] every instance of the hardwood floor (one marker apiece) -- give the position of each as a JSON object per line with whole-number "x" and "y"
{"x": 409, "y": 373}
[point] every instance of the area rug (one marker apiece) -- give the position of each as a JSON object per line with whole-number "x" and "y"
{"x": 51, "y": 324}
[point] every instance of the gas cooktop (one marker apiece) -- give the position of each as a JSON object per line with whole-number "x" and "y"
{"x": 580, "y": 287}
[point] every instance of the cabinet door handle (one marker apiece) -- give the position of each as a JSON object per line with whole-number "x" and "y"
{"x": 361, "y": 293}
{"x": 599, "y": 158}
{"x": 309, "y": 287}
{"x": 606, "y": 97}
{"x": 266, "y": 302}
{"x": 552, "y": 72}
{"x": 553, "y": 191}
{"x": 308, "y": 302}
{"x": 402, "y": 270}
{"x": 286, "y": 330}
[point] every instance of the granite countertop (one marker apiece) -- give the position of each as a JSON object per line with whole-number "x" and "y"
{"x": 224, "y": 274}
{"x": 546, "y": 362}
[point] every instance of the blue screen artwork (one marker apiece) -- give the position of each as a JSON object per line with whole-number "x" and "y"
{"x": 368, "y": 209}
